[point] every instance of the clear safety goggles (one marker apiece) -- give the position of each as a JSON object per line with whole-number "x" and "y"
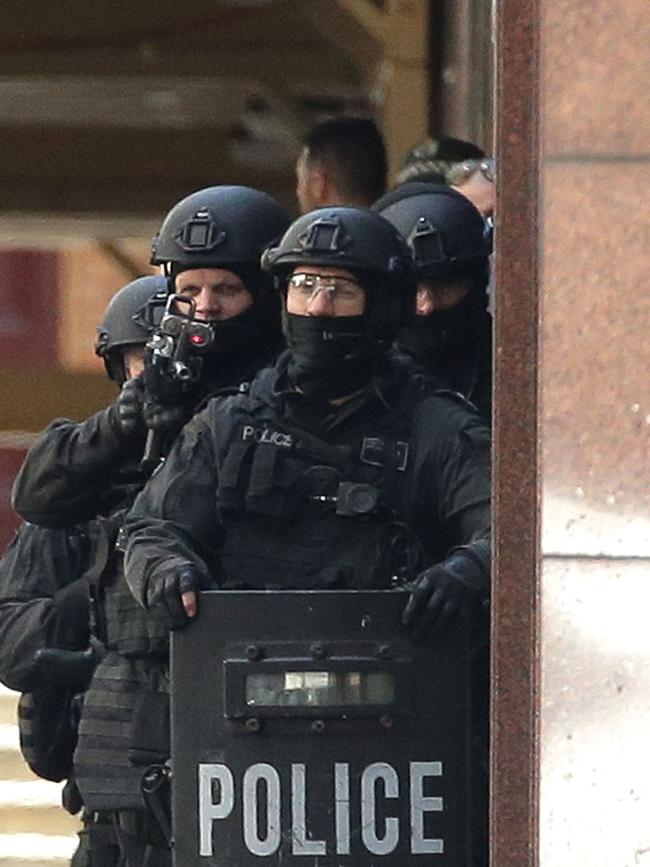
{"x": 461, "y": 172}
{"x": 341, "y": 291}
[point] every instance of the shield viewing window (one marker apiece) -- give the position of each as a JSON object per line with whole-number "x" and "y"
{"x": 319, "y": 688}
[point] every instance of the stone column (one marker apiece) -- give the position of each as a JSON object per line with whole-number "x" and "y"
{"x": 572, "y": 644}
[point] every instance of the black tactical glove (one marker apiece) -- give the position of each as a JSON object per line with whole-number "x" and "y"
{"x": 127, "y": 411}
{"x": 440, "y": 593}
{"x": 161, "y": 386}
{"x": 164, "y": 418}
{"x": 167, "y": 405}
{"x": 163, "y": 594}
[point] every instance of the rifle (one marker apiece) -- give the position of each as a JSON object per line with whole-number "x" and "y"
{"x": 173, "y": 355}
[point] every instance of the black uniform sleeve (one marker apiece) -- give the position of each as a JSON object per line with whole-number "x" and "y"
{"x": 174, "y": 521}
{"x": 43, "y": 601}
{"x": 68, "y": 469}
{"x": 450, "y": 486}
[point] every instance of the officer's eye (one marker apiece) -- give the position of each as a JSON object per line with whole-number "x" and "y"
{"x": 303, "y": 283}
{"x": 348, "y": 292}
{"x": 229, "y": 290}
{"x": 338, "y": 289}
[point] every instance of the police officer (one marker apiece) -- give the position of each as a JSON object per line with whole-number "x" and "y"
{"x": 75, "y": 470}
{"x": 214, "y": 235}
{"x": 450, "y": 333}
{"x": 449, "y": 330}
{"x": 46, "y": 651}
{"x": 337, "y": 457}
{"x": 44, "y": 600}
{"x": 209, "y": 245}
{"x": 433, "y": 159}
{"x": 340, "y": 468}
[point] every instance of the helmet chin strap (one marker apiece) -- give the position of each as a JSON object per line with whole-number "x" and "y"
{"x": 115, "y": 366}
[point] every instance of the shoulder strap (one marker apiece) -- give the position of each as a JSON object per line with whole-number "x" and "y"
{"x": 103, "y": 534}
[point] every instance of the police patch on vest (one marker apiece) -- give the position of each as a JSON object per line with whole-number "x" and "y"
{"x": 266, "y": 435}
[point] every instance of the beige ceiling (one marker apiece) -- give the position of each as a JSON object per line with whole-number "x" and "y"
{"x": 115, "y": 107}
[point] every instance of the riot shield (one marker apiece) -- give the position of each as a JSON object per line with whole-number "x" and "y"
{"x": 308, "y": 730}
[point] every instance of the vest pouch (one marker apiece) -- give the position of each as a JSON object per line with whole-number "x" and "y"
{"x": 150, "y": 737}
{"x": 273, "y": 486}
{"x": 118, "y": 709}
{"x": 130, "y": 630}
{"x": 313, "y": 551}
{"x": 47, "y": 727}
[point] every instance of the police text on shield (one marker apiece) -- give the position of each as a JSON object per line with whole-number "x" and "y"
{"x": 261, "y": 829}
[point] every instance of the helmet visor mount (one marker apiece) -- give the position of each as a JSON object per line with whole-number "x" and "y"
{"x": 427, "y": 244}
{"x": 201, "y": 233}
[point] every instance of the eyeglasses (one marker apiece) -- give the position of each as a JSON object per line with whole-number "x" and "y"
{"x": 341, "y": 291}
{"x": 457, "y": 174}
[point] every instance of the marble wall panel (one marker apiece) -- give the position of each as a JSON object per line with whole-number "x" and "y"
{"x": 591, "y": 414}
{"x": 595, "y": 761}
{"x": 595, "y": 77}
{"x": 595, "y": 394}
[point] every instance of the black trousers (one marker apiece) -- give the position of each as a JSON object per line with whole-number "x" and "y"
{"x": 125, "y": 838}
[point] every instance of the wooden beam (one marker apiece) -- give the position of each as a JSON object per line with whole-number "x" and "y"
{"x": 372, "y": 19}
{"x": 406, "y": 77}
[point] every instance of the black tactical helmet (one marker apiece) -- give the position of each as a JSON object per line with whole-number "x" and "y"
{"x": 448, "y": 235}
{"x": 219, "y": 227}
{"x": 359, "y": 241}
{"x": 127, "y": 322}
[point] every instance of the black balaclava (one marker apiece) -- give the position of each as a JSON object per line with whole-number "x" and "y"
{"x": 445, "y": 335}
{"x": 334, "y": 356}
{"x": 331, "y": 356}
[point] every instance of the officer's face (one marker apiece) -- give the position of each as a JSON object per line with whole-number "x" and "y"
{"x": 436, "y": 295}
{"x": 217, "y": 293}
{"x": 133, "y": 358}
{"x": 321, "y": 291}
{"x": 481, "y": 192}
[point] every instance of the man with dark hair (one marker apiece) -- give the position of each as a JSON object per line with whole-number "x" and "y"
{"x": 342, "y": 162}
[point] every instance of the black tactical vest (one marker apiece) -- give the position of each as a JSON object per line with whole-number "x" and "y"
{"x": 300, "y": 513}
{"x": 119, "y": 622}
{"x": 124, "y": 728}
{"x": 126, "y": 707}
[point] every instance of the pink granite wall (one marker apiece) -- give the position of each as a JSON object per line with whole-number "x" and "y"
{"x": 594, "y": 420}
